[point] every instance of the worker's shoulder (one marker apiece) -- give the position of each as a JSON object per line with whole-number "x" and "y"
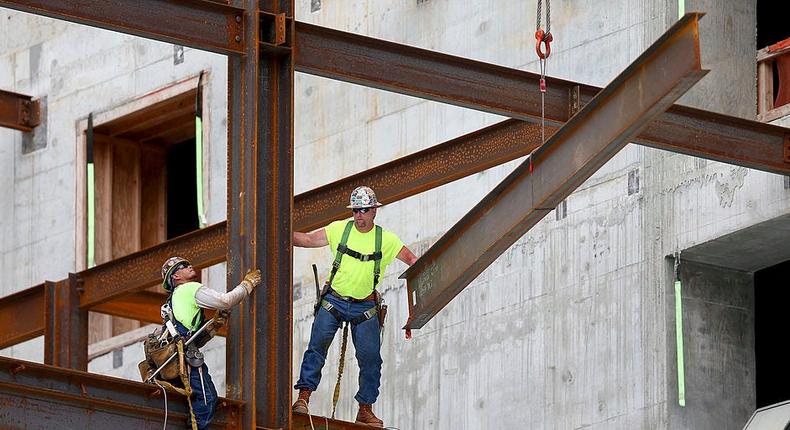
{"x": 388, "y": 234}
{"x": 188, "y": 286}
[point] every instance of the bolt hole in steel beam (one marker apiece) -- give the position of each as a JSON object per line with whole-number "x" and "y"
{"x": 646, "y": 88}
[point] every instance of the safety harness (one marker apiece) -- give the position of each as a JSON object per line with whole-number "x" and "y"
{"x": 343, "y": 249}
{"x": 159, "y": 347}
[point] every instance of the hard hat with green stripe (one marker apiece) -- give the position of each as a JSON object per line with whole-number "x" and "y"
{"x": 171, "y": 266}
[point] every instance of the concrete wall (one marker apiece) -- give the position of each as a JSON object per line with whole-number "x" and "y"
{"x": 719, "y": 354}
{"x": 570, "y": 328}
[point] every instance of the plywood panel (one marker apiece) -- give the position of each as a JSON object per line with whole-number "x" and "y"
{"x": 126, "y": 197}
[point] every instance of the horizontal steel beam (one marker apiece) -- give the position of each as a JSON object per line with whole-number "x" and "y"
{"x": 35, "y": 396}
{"x": 202, "y": 24}
{"x": 142, "y": 269}
{"x": 473, "y": 84}
{"x": 421, "y": 171}
{"x": 650, "y": 85}
{"x": 32, "y": 304}
{"x": 429, "y": 74}
{"x": 18, "y": 111}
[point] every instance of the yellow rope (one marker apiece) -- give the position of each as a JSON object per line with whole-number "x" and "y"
{"x": 185, "y": 380}
{"x": 340, "y": 368}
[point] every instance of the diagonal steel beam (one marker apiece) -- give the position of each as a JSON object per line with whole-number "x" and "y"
{"x": 18, "y": 111}
{"x": 35, "y": 396}
{"x": 202, "y": 24}
{"x": 643, "y": 90}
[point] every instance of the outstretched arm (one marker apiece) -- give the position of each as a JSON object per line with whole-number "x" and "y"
{"x": 210, "y": 299}
{"x": 405, "y": 255}
{"x": 315, "y": 239}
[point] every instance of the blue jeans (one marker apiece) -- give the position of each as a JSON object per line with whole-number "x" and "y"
{"x": 204, "y": 412}
{"x": 367, "y": 342}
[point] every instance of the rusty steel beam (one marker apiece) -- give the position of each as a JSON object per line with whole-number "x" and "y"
{"x": 202, "y": 24}
{"x": 30, "y": 303}
{"x": 66, "y": 326}
{"x": 36, "y": 396}
{"x": 459, "y": 81}
{"x": 18, "y": 111}
{"x": 430, "y": 75}
{"x": 646, "y": 88}
{"x": 424, "y": 170}
{"x": 142, "y": 269}
{"x": 303, "y": 422}
{"x": 260, "y": 200}
{"x": 142, "y": 306}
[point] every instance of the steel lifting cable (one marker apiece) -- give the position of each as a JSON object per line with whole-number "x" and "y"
{"x": 542, "y": 38}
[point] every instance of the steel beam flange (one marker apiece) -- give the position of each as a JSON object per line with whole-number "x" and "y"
{"x": 645, "y": 89}
{"x": 18, "y": 111}
{"x": 202, "y": 24}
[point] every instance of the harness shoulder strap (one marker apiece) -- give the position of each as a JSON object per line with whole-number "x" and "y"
{"x": 339, "y": 253}
{"x": 377, "y": 262}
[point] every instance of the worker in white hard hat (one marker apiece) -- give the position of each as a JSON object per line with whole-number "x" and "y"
{"x": 362, "y": 251}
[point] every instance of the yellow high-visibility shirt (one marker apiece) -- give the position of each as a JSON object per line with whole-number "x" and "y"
{"x": 355, "y": 277}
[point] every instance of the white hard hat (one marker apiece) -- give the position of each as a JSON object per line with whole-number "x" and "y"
{"x": 363, "y": 197}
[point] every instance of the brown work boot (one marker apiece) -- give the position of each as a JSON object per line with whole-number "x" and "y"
{"x": 365, "y": 416}
{"x": 301, "y": 404}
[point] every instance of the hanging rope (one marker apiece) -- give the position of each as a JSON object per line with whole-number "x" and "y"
{"x": 340, "y": 368}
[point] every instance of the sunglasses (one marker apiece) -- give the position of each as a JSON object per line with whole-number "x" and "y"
{"x": 361, "y": 210}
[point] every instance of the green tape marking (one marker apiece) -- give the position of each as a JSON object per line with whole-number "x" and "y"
{"x": 679, "y": 338}
{"x": 199, "y": 170}
{"x": 681, "y": 8}
{"x": 91, "y": 219}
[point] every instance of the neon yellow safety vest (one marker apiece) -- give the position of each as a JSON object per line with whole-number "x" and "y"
{"x": 185, "y": 307}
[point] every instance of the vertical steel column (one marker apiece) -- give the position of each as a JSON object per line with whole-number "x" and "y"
{"x": 274, "y": 189}
{"x": 242, "y": 125}
{"x": 260, "y": 200}
{"x": 66, "y": 325}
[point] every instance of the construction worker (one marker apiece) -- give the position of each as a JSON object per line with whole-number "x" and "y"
{"x": 362, "y": 253}
{"x": 187, "y": 300}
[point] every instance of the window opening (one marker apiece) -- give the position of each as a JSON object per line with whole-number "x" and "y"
{"x": 773, "y": 62}
{"x": 145, "y": 186}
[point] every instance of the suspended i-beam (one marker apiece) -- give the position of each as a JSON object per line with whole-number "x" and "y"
{"x": 665, "y": 71}
{"x": 201, "y": 24}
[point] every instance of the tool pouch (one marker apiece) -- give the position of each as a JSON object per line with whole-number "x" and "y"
{"x": 381, "y": 310}
{"x": 157, "y": 353}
